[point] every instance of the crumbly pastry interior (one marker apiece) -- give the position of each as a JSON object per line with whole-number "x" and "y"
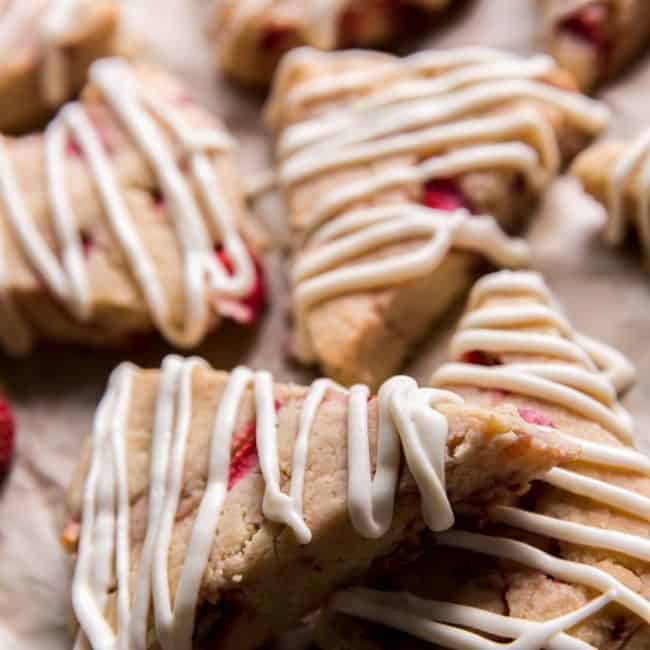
{"x": 197, "y": 212}
{"x": 121, "y": 589}
{"x": 516, "y": 340}
{"x": 362, "y": 137}
{"x": 618, "y": 175}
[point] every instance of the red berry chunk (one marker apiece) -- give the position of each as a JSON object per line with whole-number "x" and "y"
{"x": 532, "y": 416}
{"x": 87, "y": 241}
{"x": 158, "y": 198}
{"x": 7, "y": 438}
{"x": 444, "y": 194}
{"x": 255, "y": 302}
{"x": 590, "y": 24}
{"x": 72, "y": 149}
{"x": 277, "y": 40}
{"x": 244, "y": 456}
{"x": 378, "y": 21}
{"x": 481, "y": 358}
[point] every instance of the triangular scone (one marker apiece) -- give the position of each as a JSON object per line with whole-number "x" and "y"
{"x": 595, "y": 39}
{"x": 125, "y": 216}
{"x": 617, "y": 174}
{"x": 46, "y": 47}
{"x": 579, "y": 539}
{"x": 375, "y": 152}
{"x": 251, "y": 36}
{"x": 255, "y": 474}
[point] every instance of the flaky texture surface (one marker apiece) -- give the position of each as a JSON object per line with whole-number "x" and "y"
{"x": 117, "y": 306}
{"x": 23, "y": 105}
{"x": 250, "y": 36}
{"x": 595, "y": 40}
{"x": 508, "y": 588}
{"x": 259, "y": 580}
{"x": 367, "y": 335}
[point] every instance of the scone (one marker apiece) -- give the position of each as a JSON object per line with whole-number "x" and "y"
{"x": 595, "y": 39}
{"x": 124, "y": 217}
{"x": 617, "y": 174}
{"x": 251, "y": 36}
{"x": 46, "y": 47}
{"x": 215, "y": 510}
{"x": 387, "y": 166}
{"x": 574, "y": 552}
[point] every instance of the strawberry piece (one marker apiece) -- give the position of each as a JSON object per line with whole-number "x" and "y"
{"x": 481, "y": 358}
{"x": 250, "y": 307}
{"x": 590, "y": 24}
{"x": 158, "y": 198}
{"x": 444, "y": 194}
{"x": 87, "y": 241}
{"x": 244, "y": 456}
{"x": 7, "y": 438}
{"x": 184, "y": 99}
{"x": 277, "y": 40}
{"x": 364, "y": 24}
{"x": 533, "y": 416}
{"x": 72, "y": 148}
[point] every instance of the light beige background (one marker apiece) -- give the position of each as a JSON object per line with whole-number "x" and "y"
{"x": 605, "y": 293}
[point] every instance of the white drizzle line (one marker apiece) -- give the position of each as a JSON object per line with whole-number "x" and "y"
{"x": 203, "y": 274}
{"x": 324, "y": 272}
{"x": 634, "y": 163}
{"x": 407, "y": 420}
{"x": 530, "y": 556}
{"x": 261, "y": 183}
{"x": 584, "y": 380}
{"x": 430, "y": 106}
{"x": 434, "y": 621}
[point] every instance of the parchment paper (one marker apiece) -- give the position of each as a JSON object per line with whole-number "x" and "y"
{"x": 55, "y": 393}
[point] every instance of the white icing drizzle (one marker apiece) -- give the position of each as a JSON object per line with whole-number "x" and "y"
{"x": 407, "y": 421}
{"x": 54, "y": 20}
{"x": 632, "y": 166}
{"x": 435, "y": 621}
{"x": 584, "y": 379}
{"x": 322, "y": 272}
{"x": 431, "y": 106}
{"x": 139, "y": 110}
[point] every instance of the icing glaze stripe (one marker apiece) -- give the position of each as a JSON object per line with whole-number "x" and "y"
{"x": 435, "y": 621}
